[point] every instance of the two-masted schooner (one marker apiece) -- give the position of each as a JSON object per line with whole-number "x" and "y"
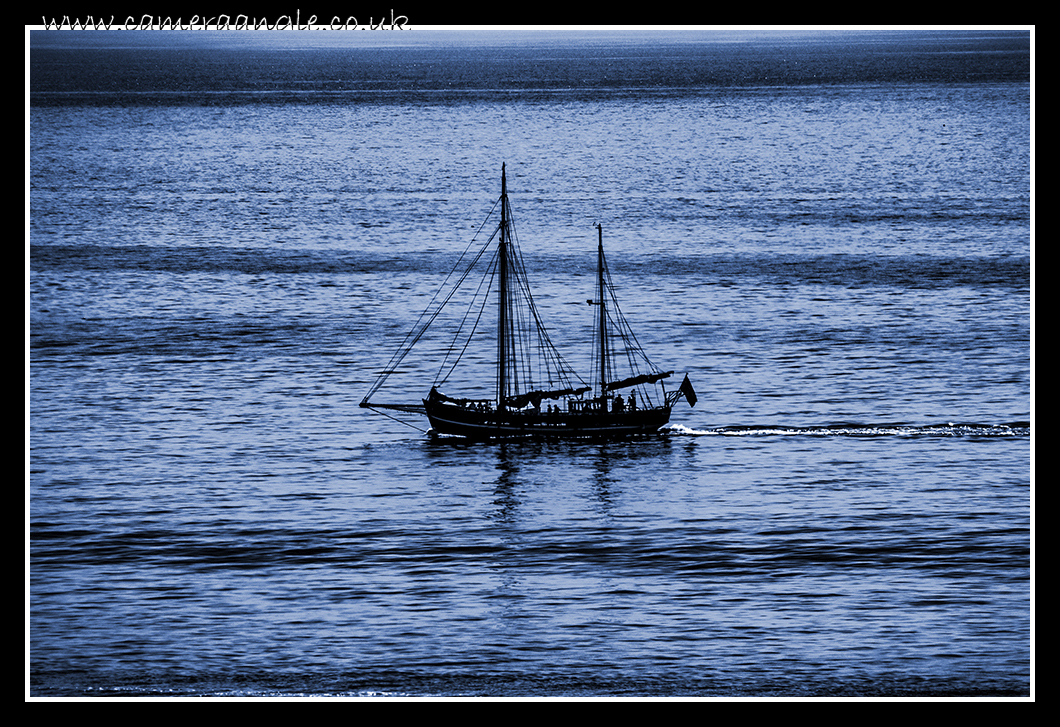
{"x": 535, "y": 392}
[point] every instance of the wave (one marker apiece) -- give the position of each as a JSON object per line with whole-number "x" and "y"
{"x": 846, "y": 270}
{"x": 950, "y": 429}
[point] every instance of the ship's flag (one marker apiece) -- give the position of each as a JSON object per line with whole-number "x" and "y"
{"x": 688, "y": 391}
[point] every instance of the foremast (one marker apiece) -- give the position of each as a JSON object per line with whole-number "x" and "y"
{"x": 602, "y": 352}
{"x": 502, "y": 299}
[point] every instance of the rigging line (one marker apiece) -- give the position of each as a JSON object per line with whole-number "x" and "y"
{"x": 551, "y": 371}
{"x": 623, "y": 332}
{"x": 418, "y": 330}
{"x": 538, "y": 352}
{"x": 623, "y": 323}
{"x": 489, "y": 276}
{"x": 417, "y": 333}
{"x": 634, "y": 351}
{"x": 562, "y": 364}
{"x": 547, "y": 352}
{"x": 471, "y": 335}
{"x": 459, "y": 260}
{"x": 399, "y": 421}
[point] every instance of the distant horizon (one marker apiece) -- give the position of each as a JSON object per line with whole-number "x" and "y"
{"x": 41, "y": 36}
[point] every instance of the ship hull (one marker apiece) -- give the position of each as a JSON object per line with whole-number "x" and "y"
{"x": 460, "y": 421}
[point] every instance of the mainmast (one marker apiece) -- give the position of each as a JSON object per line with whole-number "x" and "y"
{"x": 603, "y": 312}
{"x": 502, "y": 295}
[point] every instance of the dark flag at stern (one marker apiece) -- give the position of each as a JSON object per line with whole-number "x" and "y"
{"x": 688, "y": 391}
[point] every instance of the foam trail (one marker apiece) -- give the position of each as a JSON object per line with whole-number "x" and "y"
{"x": 950, "y": 429}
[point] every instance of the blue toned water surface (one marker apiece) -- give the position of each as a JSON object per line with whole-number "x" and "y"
{"x": 230, "y": 234}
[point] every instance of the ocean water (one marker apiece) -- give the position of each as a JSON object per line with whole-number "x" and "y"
{"x": 230, "y": 234}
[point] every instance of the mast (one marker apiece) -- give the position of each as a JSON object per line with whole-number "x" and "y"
{"x": 603, "y": 313}
{"x": 502, "y": 295}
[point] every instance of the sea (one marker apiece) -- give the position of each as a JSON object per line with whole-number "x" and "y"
{"x": 230, "y": 233}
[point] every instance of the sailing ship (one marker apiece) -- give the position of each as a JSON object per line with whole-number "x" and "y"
{"x": 534, "y": 392}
